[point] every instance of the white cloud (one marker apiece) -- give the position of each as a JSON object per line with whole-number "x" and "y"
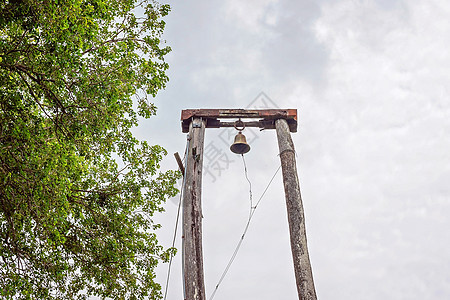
{"x": 384, "y": 155}
{"x": 370, "y": 80}
{"x": 252, "y": 16}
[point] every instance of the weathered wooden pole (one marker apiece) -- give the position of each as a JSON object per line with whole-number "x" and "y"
{"x": 194, "y": 286}
{"x": 296, "y": 218}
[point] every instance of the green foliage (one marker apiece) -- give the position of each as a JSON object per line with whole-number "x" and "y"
{"x": 77, "y": 189}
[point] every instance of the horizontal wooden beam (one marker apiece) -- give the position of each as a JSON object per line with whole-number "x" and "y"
{"x": 267, "y": 117}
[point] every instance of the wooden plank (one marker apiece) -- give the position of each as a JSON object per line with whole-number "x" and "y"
{"x": 266, "y": 117}
{"x": 179, "y": 162}
{"x": 239, "y": 113}
{"x": 192, "y": 214}
{"x": 296, "y": 217}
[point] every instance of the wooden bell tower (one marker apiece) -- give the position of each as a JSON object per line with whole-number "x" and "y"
{"x": 284, "y": 121}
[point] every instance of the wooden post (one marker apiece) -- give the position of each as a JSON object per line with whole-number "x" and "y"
{"x": 179, "y": 162}
{"x": 296, "y": 218}
{"x": 194, "y": 286}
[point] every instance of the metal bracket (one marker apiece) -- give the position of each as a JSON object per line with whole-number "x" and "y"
{"x": 197, "y": 122}
{"x": 195, "y": 156}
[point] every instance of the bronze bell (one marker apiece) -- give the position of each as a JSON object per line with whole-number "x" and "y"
{"x": 240, "y": 145}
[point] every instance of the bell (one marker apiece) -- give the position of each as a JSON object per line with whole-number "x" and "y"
{"x": 240, "y": 145}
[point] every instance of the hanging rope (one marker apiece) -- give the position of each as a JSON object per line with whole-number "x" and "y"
{"x": 252, "y": 211}
{"x": 176, "y": 224}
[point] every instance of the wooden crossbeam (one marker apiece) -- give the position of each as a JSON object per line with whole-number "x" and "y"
{"x": 267, "y": 117}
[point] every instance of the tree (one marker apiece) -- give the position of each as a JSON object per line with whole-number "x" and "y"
{"x": 77, "y": 189}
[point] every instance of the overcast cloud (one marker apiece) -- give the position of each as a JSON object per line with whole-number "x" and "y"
{"x": 370, "y": 80}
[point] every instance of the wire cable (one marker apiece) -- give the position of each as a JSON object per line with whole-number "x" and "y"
{"x": 249, "y": 184}
{"x": 252, "y": 211}
{"x": 176, "y": 224}
{"x": 173, "y": 245}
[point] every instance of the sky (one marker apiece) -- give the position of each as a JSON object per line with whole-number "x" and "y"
{"x": 370, "y": 80}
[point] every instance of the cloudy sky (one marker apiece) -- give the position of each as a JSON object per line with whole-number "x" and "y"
{"x": 370, "y": 80}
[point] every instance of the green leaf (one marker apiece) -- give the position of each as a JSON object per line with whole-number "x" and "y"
{"x": 77, "y": 189}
